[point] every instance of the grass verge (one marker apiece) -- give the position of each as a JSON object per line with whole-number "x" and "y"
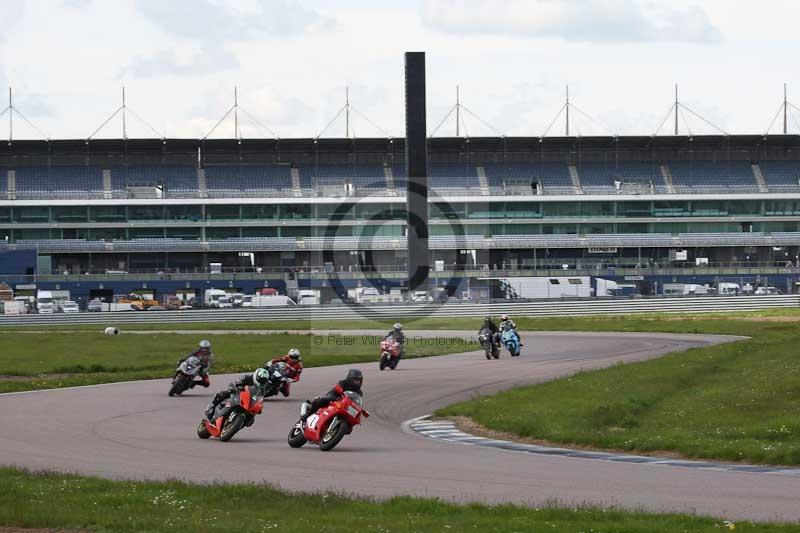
{"x": 58, "y": 359}
{"x": 733, "y": 402}
{"x": 47, "y": 500}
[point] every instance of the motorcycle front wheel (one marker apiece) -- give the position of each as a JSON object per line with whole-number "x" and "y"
{"x": 232, "y": 426}
{"x": 384, "y": 358}
{"x": 202, "y": 432}
{"x": 296, "y": 437}
{"x": 178, "y": 385}
{"x": 334, "y": 434}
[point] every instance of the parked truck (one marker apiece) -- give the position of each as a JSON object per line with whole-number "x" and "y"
{"x": 44, "y": 303}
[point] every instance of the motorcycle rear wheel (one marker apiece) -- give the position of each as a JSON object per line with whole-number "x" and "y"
{"x": 232, "y": 426}
{"x": 331, "y": 438}
{"x": 202, "y": 432}
{"x": 296, "y": 438}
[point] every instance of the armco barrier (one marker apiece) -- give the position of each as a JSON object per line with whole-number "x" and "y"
{"x": 696, "y": 304}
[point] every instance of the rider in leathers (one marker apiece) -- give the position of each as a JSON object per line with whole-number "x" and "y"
{"x": 488, "y": 324}
{"x": 397, "y": 334}
{"x": 206, "y": 357}
{"x": 504, "y": 319}
{"x": 352, "y": 382}
{"x": 259, "y": 378}
{"x": 294, "y": 365}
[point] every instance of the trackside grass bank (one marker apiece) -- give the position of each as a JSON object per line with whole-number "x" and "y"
{"x": 44, "y": 500}
{"x": 733, "y": 402}
{"x": 60, "y": 359}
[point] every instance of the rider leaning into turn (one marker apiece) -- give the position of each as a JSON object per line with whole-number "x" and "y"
{"x": 397, "y": 334}
{"x": 259, "y": 379}
{"x": 294, "y": 365}
{"x": 206, "y": 357}
{"x": 352, "y": 382}
{"x": 504, "y": 319}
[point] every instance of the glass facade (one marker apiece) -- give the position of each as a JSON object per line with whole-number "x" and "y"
{"x": 386, "y": 219}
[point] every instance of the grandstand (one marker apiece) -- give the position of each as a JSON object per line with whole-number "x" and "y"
{"x": 179, "y": 204}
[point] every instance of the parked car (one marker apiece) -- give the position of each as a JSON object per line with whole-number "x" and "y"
{"x": 95, "y": 306}
{"x": 70, "y": 307}
{"x": 225, "y": 303}
{"x": 156, "y": 308}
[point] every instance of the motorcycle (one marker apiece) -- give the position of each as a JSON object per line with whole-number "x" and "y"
{"x": 329, "y": 424}
{"x": 278, "y": 376}
{"x": 230, "y": 416}
{"x": 510, "y": 339}
{"x": 390, "y": 353}
{"x": 184, "y": 375}
{"x": 488, "y": 341}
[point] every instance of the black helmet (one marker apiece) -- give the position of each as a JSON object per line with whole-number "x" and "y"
{"x": 354, "y": 377}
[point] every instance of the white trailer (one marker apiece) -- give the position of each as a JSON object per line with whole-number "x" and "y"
{"x": 545, "y": 287}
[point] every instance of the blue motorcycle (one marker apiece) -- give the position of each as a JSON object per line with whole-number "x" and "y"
{"x": 510, "y": 339}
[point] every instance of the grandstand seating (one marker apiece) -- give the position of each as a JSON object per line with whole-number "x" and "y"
{"x": 553, "y": 178}
{"x": 3, "y": 182}
{"x": 708, "y": 176}
{"x": 247, "y": 180}
{"x": 59, "y": 181}
{"x": 225, "y": 181}
{"x": 177, "y": 180}
{"x": 781, "y": 176}
{"x": 323, "y": 179}
{"x": 600, "y": 177}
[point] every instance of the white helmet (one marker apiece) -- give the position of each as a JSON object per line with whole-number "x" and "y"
{"x": 294, "y": 354}
{"x": 397, "y": 326}
{"x": 503, "y": 317}
{"x": 205, "y": 345}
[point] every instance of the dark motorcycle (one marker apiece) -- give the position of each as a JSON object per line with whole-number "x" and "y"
{"x": 489, "y": 343}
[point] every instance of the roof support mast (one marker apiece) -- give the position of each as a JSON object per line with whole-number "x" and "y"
{"x": 347, "y": 112}
{"x": 124, "y": 109}
{"x": 458, "y": 113}
{"x": 10, "y": 117}
{"x": 676, "y": 109}
{"x": 785, "y": 109}
{"x": 236, "y": 113}
{"x": 567, "y": 114}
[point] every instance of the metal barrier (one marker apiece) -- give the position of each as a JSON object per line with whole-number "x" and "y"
{"x": 540, "y": 308}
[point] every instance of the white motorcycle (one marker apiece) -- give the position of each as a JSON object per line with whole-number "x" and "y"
{"x": 184, "y": 375}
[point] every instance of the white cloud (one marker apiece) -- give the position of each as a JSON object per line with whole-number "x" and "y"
{"x": 193, "y": 62}
{"x": 605, "y": 21}
{"x": 218, "y": 22}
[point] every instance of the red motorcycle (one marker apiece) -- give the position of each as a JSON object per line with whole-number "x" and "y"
{"x": 329, "y": 424}
{"x": 230, "y": 416}
{"x": 390, "y": 353}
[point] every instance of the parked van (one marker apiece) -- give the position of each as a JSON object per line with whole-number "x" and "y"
{"x": 44, "y": 303}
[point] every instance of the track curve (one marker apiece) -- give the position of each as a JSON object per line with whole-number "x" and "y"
{"x": 134, "y": 431}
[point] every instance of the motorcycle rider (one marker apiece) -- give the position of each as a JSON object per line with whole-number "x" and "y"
{"x": 206, "y": 357}
{"x": 397, "y": 334}
{"x": 294, "y": 366}
{"x": 259, "y": 378}
{"x": 504, "y": 319}
{"x": 352, "y": 382}
{"x": 488, "y": 324}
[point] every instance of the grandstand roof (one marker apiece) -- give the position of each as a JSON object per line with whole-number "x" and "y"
{"x": 65, "y": 151}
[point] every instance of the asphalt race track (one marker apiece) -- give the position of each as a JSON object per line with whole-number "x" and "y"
{"x": 133, "y": 430}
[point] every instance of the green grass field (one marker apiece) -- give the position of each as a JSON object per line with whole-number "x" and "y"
{"x": 735, "y": 402}
{"x": 44, "y": 500}
{"x": 59, "y": 359}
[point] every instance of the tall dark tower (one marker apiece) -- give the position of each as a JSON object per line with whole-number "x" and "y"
{"x": 417, "y": 168}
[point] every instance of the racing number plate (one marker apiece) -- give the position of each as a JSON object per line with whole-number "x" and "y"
{"x": 312, "y": 420}
{"x": 352, "y": 411}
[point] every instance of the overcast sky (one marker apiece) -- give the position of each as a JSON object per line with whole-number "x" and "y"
{"x": 291, "y": 59}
